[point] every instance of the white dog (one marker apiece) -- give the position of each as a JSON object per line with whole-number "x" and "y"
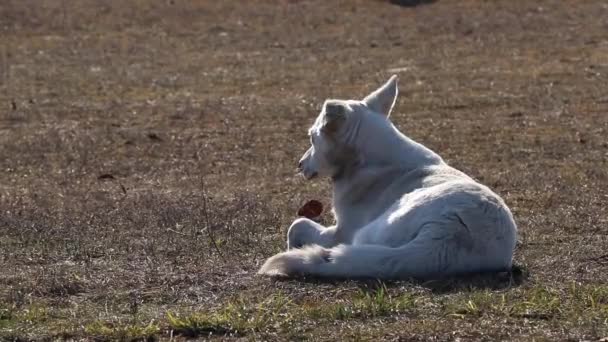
{"x": 400, "y": 210}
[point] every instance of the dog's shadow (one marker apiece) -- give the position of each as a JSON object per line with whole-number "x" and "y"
{"x": 411, "y": 3}
{"x": 515, "y": 277}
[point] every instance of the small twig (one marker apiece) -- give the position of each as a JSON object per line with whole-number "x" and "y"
{"x": 5, "y": 66}
{"x": 176, "y": 232}
{"x": 599, "y": 259}
{"x": 207, "y": 221}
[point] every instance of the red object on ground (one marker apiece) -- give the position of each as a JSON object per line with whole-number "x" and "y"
{"x": 311, "y": 209}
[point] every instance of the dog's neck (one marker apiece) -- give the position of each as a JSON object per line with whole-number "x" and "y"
{"x": 354, "y": 183}
{"x": 382, "y": 144}
{"x": 384, "y": 155}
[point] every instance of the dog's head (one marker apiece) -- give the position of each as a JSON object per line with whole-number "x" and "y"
{"x": 336, "y": 136}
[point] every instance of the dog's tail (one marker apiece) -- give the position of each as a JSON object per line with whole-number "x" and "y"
{"x": 348, "y": 261}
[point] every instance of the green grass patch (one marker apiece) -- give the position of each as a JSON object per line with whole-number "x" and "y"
{"x": 16, "y": 322}
{"x": 588, "y": 303}
{"x": 109, "y": 331}
{"x": 31, "y": 314}
{"x": 366, "y": 304}
{"x": 236, "y": 318}
{"x": 584, "y": 305}
{"x": 6, "y": 317}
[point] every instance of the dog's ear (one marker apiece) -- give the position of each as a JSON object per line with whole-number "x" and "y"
{"x": 383, "y": 99}
{"x": 335, "y": 115}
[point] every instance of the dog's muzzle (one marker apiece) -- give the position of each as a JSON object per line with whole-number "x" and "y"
{"x": 307, "y": 175}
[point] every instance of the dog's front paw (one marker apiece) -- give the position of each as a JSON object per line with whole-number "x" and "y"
{"x": 301, "y": 232}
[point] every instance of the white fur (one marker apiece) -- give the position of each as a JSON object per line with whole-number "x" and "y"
{"x": 400, "y": 210}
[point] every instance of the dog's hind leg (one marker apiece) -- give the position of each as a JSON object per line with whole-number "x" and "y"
{"x": 307, "y": 232}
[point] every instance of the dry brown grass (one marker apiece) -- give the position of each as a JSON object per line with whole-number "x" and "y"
{"x": 147, "y": 156}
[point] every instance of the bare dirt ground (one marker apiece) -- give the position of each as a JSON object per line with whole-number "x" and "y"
{"x": 148, "y": 152}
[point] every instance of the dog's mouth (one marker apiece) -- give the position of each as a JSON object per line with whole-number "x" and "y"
{"x": 306, "y": 175}
{"x": 311, "y": 176}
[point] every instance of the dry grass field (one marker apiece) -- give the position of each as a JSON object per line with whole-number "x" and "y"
{"x": 148, "y": 153}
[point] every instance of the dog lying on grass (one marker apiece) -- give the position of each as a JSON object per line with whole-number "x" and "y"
{"x": 400, "y": 210}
